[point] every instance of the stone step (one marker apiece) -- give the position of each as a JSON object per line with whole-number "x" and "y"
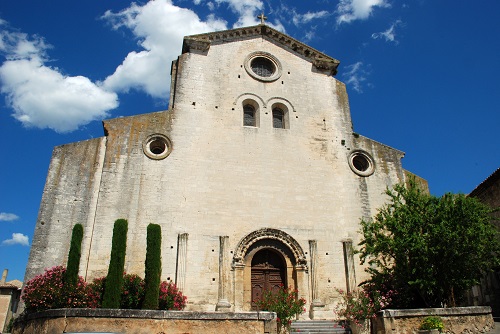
{"x": 318, "y": 327}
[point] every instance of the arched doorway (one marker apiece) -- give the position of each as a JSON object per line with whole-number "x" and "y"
{"x": 268, "y": 273}
{"x": 282, "y": 252}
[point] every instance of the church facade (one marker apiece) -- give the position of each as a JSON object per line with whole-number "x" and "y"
{"x": 254, "y": 174}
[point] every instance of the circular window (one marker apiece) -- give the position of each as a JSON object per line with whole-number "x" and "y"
{"x": 361, "y": 163}
{"x": 157, "y": 146}
{"x": 263, "y": 66}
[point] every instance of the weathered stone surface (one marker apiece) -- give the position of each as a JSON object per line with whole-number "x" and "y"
{"x": 457, "y": 320}
{"x": 147, "y": 322}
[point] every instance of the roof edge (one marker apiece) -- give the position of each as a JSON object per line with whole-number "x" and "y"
{"x": 476, "y": 192}
{"x": 202, "y": 42}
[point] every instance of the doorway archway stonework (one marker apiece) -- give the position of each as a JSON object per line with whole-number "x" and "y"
{"x": 279, "y": 242}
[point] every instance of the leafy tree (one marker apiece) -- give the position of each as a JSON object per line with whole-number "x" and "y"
{"x": 428, "y": 250}
{"x": 75, "y": 252}
{"x": 114, "y": 280}
{"x": 153, "y": 267}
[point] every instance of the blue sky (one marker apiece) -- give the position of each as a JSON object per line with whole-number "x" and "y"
{"x": 422, "y": 77}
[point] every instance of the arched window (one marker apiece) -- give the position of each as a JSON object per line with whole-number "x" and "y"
{"x": 278, "y": 118}
{"x": 249, "y": 118}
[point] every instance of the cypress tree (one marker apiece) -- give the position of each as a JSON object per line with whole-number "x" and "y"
{"x": 75, "y": 252}
{"x": 114, "y": 280}
{"x": 153, "y": 267}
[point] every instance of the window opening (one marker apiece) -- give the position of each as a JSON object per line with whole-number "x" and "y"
{"x": 249, "y": 115}
{"x": 278, "y": 118}
{"x": 262, "y": 67}
{"x": 361, "y": 163}
{"x": 158, "y": 146}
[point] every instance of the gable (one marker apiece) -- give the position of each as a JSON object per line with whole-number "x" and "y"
{"x": 202, "y": 43}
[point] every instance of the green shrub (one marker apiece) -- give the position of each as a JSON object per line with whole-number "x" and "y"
{"x": 170, "y": 298}
{"x": 131, "y": 296}
{"x": 432, "y": 322}
{"x": 153, "y": 267}
{"x": 75, "y": 252}
{"x": 114, "y": 280}
{"x": 132, "y": 292}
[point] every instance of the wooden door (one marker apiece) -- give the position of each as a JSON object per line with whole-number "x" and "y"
{"x": 268, "y": 274}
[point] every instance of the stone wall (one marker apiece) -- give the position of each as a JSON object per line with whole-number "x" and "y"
{"x": 147, "y": 322}
{"x": 457, "y": 320}
{"x": 488, "y": 192}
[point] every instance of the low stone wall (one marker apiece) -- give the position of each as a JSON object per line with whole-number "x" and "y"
{"x": 147, "y": 322}
{"x": 457, "y": 320}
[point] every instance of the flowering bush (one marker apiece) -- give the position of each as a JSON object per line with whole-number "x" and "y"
{"x": 48, "y": 291}
{"x": 285, "y": 303}
{"x": 132, "y": 293}
{"x": 360, "y": 304}
{"x": 132, "y": 296}
{"x": 170, "y": 297}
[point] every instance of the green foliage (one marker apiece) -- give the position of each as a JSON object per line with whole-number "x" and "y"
{"x": 114, "y": 280}
{"x": 285, "y": 303}
{"x": 75, "y": 252}
{"x": 153, "y": 267}
{"x": 10, "y": 325}
{"x": 432, "y": 322}
{"x": 428, "y": 249}
{"x": 132, "y": 294}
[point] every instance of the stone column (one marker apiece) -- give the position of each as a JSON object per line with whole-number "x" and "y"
{"x": 313, "y": 251}
{"x": 238, "y": 285}
{"x": 350, "y": 273}
{"x": 316, "y": 305}
{"x": 223, "y": 303}
{"x": 180, "y": 272}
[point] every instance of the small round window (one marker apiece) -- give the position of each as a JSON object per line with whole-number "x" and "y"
{"x": 263, "y": 66}
{"x": 157, "y": 146}
{"x": 361, "y": 163}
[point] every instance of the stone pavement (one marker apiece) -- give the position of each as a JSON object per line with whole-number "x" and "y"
{"x": 495, "y": 330}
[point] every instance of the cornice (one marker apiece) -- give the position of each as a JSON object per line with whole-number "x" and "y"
{"x": 202, "y": 42}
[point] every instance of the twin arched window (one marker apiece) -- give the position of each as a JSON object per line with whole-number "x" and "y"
{"x": 279, "y": 115}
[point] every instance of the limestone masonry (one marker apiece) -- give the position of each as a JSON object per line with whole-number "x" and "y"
{"x": 254, "y": 174}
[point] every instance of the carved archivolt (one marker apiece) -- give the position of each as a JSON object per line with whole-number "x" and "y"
{"x": 269, "y": 234}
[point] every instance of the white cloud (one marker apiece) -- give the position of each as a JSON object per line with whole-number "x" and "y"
{"x": 298, "y": 19}
{"x": 350, "y": 10}
{"x": 247, "y": 10}
{"x": 355, "y": 75}
{"x": 390, "y": 34}
{"x": 159, "y": 27}
{"x": 8, "y": 217}
{"x": 41, "y": 96}
{"x": 17, "y": 239}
